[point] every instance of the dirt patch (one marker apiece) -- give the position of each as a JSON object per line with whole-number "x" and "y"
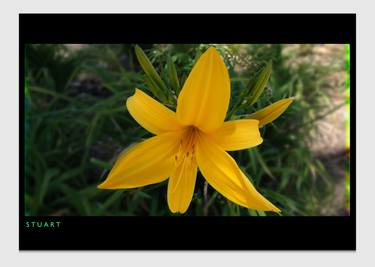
{"x": 329, "y": 142}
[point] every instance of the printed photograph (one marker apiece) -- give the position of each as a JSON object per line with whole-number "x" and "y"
{"x": 187, "y": 130}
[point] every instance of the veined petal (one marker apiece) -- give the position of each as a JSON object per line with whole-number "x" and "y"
{"x": 271, "y": 112}
{"x": 148, "y": 162}
{"x": 204, "y": 98}
{"x": 237, "y": 134}
{"x": 150, "y": 114}
{"x": 181, "y": 186}
{"x": 222, "y": 173}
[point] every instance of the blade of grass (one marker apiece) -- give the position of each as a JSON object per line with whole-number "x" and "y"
{"x": 50, "y": 92}
{"x": 262, "y": 162}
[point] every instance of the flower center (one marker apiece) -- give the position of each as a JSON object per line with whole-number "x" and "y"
{"x": 186, "y": 151}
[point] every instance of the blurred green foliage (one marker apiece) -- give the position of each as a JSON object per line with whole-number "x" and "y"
{"x": 77, "y": 124}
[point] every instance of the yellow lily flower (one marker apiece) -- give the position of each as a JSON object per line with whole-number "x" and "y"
{"x": 194, "y": 137}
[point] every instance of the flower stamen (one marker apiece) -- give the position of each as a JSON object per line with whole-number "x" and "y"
{"x": 185, "y": 157}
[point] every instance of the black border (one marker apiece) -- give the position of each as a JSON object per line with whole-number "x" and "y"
{"x": 192, "y": 233}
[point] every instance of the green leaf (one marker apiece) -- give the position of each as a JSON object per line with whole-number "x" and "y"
{"x": 259, "y": 85}
{"x": 42, "y": 190}
{"x": 102, "y": 164}
{"x": 160, "y": 89}
{"x": 155, "y": 90}
{"x": 263, "y": 163}
{"x": 172, "y": 76}
{"x": 252, "y": 212}
{"x": 49, "y": 92}
{"x": 261, "y": 213}
{"x": 142, "y": 194}
{"x": 112, "y": 199}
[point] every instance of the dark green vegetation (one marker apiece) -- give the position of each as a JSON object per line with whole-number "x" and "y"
{"x": 77, "y": 124}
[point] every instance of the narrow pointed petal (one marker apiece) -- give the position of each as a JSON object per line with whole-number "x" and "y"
{"x": 271, "y": 112}
{"x": 222, "y": 173}
{"x": 148, "y": 162}
{"x": 150, "y": 114}
{"x": 204, "y": 98}
{"x": 181, "y": 186}
{"x": 237, "y": 135}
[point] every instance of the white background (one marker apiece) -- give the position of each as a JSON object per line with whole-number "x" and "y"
{"x": 9, "y": 254}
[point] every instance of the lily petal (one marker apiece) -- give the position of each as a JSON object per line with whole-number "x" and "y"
{"x": 271, "y": 112}
{"x": 222, "y": 173}
{"x": 237, "y": 135}
{"x": 150, "y": 114}
{"x": 181, "y": 186}
{"x": 204, "y": 98}
{"x": 148, "y": 162}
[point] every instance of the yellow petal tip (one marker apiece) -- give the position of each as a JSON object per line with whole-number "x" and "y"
{"x": 272, "y": 112}
{"x": 101, "y": 186}
{"x": 277, "y": 210}
{"x": 260, "y": 140}
{"x": 136, "y": 92}
{"x": 104, "y": 185}
{"x": 211, "y": 49}
{"x": 107, "y": 185}
{"x": 274, "y": 208}
{"x": 130, "y": 98}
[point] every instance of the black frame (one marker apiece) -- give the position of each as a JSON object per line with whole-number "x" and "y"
{"x": 177, "y": 233}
